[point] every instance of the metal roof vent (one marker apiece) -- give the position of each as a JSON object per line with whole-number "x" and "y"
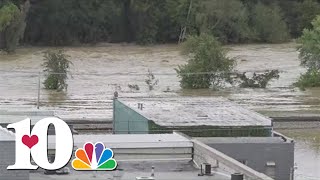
{"x": 145, "y": 178}
{"x": 202, "y": 116}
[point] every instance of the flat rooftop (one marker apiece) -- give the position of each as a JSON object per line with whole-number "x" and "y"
{"x": 237, "y": 140}
{"x": 196, "y": 111}
{"x": 164, "y": 170}
{"x": 174, "y": 140}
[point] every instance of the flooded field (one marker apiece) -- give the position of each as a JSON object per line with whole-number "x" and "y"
{"x": 101, "y": 70}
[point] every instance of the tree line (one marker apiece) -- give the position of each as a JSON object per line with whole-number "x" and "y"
{"x": 60, "y": 22}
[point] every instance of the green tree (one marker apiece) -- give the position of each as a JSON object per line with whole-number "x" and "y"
{"x": 226, "y": 20}
{"x": 7, "y": 14}
{"x": 205, "y": 55}
{"x": 269, "y": 24}
{"x": 12, "y": 24}
{"x": 310, "y": 55}
{"x": 308, "y": 10}
{"x": 59, "y": 22}
{"x": 56, "y": 65}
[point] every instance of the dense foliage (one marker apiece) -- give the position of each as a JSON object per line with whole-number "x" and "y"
{"x": 59, "y": 22}
{"x": 208, "y": 65}
{"x": 56, "y": 66}
{"x": 310, "y": 55}
{"x": 12, "y": 24}
{"x": 7, "y": 14}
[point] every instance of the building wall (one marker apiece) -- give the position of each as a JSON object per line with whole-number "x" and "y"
{"x": 256, "y": 156}
{"x": 7, "y": 157}
{"x": 128, "y": 121}
{"x": 223, "y": 163}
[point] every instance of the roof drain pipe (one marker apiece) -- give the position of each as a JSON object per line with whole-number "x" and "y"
{"x": 152, "y": 171}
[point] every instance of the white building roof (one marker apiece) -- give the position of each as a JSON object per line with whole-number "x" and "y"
{"x": 6, "y": 135}
{"x": 196, "y": 111}
{"x": 130, "y": 140}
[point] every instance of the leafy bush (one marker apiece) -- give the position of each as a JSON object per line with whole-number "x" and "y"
{"x": 56, "y": 66}
{"x": 205, "y": 55}
{"x": 269, "y": 24}
{"x": 310, "y": 79}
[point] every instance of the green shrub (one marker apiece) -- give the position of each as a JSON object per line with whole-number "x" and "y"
{"x": 310, "y": 79}
{"x": 56, "y": 66}
{"x": 205, "y": 55}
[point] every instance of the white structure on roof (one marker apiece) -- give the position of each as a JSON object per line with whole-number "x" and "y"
{"x": 195, "y": 111}
{"x": 6, "y": 135}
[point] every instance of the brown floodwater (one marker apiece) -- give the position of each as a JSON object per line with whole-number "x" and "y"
{"x": 100, "y": 70}
{"x": 307, "y": 153}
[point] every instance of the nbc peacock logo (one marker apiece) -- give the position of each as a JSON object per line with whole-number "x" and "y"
{"x": 94, "y": 157}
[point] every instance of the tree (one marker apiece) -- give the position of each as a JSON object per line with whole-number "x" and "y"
{"x": 12, "y": 24}
{"x": 308, "y": 10}
{"x": 310, "y": 55}
{"x": 59, "y": 22}
{"x": 269, "y": 24}
{"x": 226, "y": 20}
{"x": 208, "y": 65}
{"x": 257, "y": 80}
{"x": 57, "y": 68}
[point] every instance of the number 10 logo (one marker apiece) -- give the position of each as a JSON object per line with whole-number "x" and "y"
{"x": 35, "y": 143}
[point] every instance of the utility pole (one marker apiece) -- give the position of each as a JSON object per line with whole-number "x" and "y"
{"x": 38, "y": 99}
{"x": 184, "y": 28}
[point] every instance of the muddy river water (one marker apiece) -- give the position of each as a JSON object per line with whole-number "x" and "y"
{"x": 99, "y": 71}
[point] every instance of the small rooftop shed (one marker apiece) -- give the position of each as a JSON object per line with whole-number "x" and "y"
{"x": 195, "y": 116}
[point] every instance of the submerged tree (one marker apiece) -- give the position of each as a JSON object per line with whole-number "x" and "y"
{"x": 151, "y": 80}
{"x": 57, "y": 68}
{"x": 208, "y": 65}
{"x": 258, "y": 80}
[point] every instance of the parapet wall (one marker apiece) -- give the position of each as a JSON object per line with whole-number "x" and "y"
{"x": 206, "y": 154}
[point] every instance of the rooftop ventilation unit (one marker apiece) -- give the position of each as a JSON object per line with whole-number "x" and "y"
{"x": 145, "y": 178}
{"x": 205, "y": 170}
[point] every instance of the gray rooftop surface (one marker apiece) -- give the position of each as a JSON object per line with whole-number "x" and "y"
{"x": 164, "y": 170}
{"x": 235, "y": 140}
{"x": 196, "y": 111}
{"x": 130, "y": 140}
